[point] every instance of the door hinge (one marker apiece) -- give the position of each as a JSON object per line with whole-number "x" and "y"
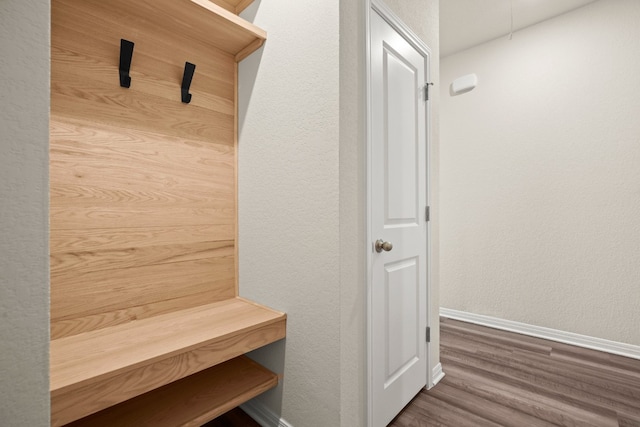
{"x": 427, "y": 214}
{"x": 428, "y": 334}
{"x": 426, "y": 91}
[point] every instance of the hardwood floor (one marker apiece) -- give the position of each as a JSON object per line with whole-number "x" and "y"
{"x": 498, "y": 378}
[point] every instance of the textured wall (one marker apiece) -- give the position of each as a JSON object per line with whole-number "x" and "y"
{"x": 302, "y": 198}
{"x": 24, "y": 259}
{"x": 353, "y": 186}
{"x": 540, "y": 182}
{"x": 288, "y": 201}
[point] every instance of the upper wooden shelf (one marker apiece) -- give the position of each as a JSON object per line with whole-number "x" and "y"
{"x": 97, "y": 369}
{"x": 200, "y": 20}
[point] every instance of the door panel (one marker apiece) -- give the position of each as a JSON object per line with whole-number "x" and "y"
{"x": 401, "y": 308}
{"x": 398, "y": 199}
{"x": 399, "y": 80}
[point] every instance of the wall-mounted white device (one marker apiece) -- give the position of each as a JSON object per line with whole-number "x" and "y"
{"x": 463, "y": 84}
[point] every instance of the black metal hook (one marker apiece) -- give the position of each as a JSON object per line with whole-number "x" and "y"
{"x": 189, "y": 69}
{"x": 126, "y": 53}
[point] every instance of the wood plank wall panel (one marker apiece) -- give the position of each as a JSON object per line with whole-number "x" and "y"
{"x": 157, "y": 67}
{"x": 143, "y": 205}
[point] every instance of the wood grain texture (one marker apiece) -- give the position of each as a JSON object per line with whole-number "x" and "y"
{"x": 102, "y": 291}
{"x": 87, "y": 143}
{"x": 98, "y": 369}
{"x": 75, "y": 325}
{"x": 152, "y": 72}
{"x": 143, "y": 212}
{"x": 70, "y": 264}
{"x": 191, "y": 401}
{"x": 94, "y": 397}
{"x": 103, "y": 353}
{"x": 498, "y": 378}
{"x": 98, "y": 168}
{"x": 105, "y": 104}
{"x": 199, "y": 21}
{"x": 94, "y": 240}
{"x": 143, "y": 187}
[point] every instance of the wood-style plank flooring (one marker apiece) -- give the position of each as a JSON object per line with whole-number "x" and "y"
{"x": 498, "y": 378}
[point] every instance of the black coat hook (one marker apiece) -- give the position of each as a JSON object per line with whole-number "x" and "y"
{"x": 126, "y": 53}
{"x": 189, "y": 69}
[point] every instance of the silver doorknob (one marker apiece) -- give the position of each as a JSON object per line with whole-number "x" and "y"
{"x": 381, "y": 245}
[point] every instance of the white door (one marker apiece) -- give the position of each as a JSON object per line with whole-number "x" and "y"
{"x": 398, "y": 203}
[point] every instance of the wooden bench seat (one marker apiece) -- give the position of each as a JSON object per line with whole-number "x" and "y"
{"x": 98, "y": 369}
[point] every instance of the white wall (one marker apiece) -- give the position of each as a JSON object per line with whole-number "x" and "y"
{"x": 301, "y": 197}
{"x": 353, "y": 185}
{"x": 24, "y": 189}
{"x": 540, "y": 175}
{"x": 288, "y": 201}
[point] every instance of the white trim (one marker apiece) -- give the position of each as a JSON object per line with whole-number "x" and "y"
{"x": 263, "y": 415}
{"x": 593, "y": 343}
{"x": 379, "y": 7}
{"x": 436, "y": 375}
{"x": 367, "y": 213}
{"x": 397, "y": 24}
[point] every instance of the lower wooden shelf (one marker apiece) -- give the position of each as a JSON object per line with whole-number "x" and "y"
{"x": 99, "y": 369}
{"x": 191, "y": 401}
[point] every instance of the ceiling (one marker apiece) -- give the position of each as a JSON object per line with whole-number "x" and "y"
{"x": 467, "y": 23}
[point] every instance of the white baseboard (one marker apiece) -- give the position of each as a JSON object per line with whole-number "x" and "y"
{"x": 436, "y": 375}
{"x": 263, "y": 415}
{"x": 585, "y": 341}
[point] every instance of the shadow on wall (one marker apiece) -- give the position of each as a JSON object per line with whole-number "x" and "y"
{"x": 273, "y": 358}
{"x": 248, "y": 70}
{"x": 249, "y": 14}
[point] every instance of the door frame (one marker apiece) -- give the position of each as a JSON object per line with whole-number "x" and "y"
{"x": 378, "y": 6}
